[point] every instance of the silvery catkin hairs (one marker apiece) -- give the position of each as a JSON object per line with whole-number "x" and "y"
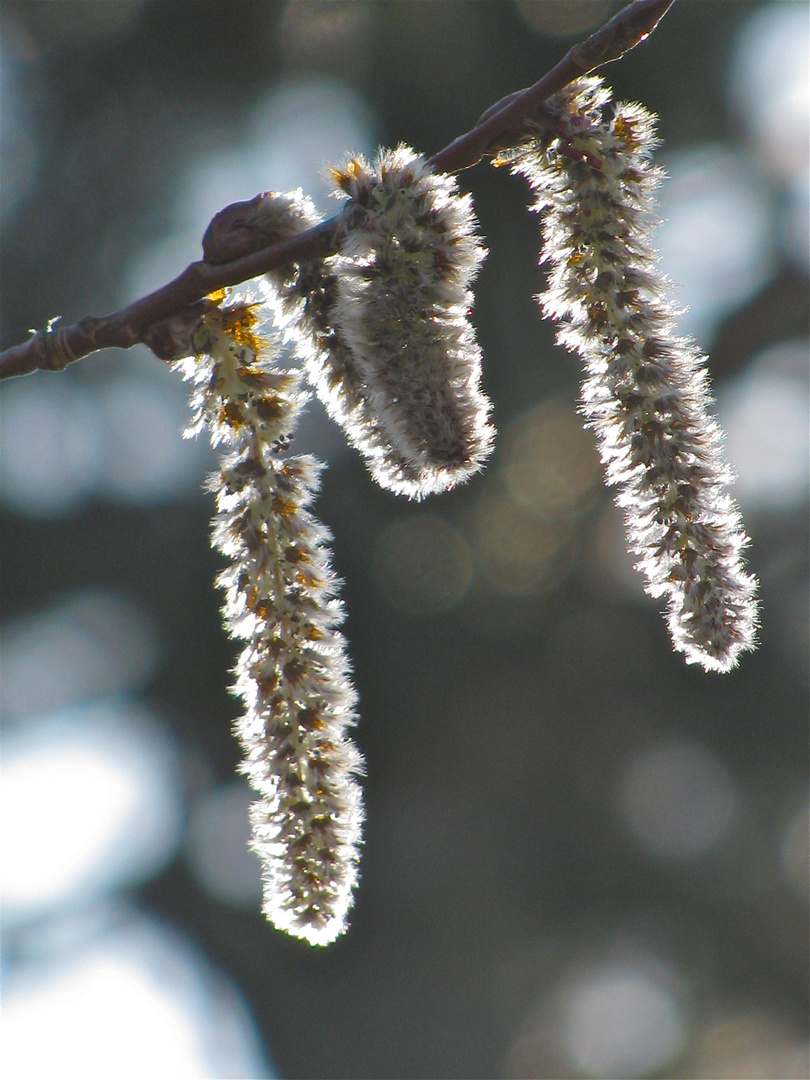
{"x": 304, "y": 297}
{"x": 383, "y": 328}
{"x": 281, "y": 600}
{"x": 408, "y": 255}
{"x": 646, "y": 391}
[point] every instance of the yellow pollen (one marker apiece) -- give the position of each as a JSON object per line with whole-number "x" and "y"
{"x": 238, "y": 323}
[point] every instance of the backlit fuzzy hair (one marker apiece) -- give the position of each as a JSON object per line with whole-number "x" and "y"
{"x": 408, "y": 256}
{"x": 303, "y": 298}
{"x": 281, "y": 601}
{"x": 646, "y": 390}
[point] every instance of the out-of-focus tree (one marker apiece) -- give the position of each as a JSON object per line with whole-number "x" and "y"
{"x": 582, "y": 858}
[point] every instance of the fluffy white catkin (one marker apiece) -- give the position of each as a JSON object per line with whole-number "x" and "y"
{"x": 281, "y": 600}
{"x": 383, "y": 328}
{"x": 304, "y": 298}
{"x": 646, "y": 392}
{"x": 408, "y": 255}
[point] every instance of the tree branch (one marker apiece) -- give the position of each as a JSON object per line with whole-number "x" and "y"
{"x": 234, "y": 252}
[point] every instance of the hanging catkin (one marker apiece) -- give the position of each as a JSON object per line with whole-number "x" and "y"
{"x": 646, "y": 392}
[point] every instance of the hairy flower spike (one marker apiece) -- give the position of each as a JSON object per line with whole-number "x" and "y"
{"x": 304, "y": 297}
{"x": 646, "y": 392}
{"x": 382, "y": 328}
{"x": 408, "y": 257}
{"x": 281, "y": 601}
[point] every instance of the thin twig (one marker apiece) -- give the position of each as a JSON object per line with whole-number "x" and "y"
{"x": 141, "y": 321}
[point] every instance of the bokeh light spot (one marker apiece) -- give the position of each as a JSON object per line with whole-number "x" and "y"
{"x": 89, "y": 803}
{"x": 770, "y": 85}
{"x": 302, "y": 125}
{"x": 145, "y": 459}
{"x": 518, "y": 553}
{"x": 49, "y": 445}
{"x": 326, "y": 34}
{"x": 678, "y": 800}
{"x": 65, "y": 441}
{"x": 764, "y": 412}
{"x": 422, "y": 565}
{"x": 795, "y": 221}
{"x": 717, "y": 240}
{"x": 612, "y": 569}
{"x": 750, "y": 1046}
{"x": 135, "y": 1001}
{"x": 621, "y": 1021}
{"x": 550, "y": 464}
{"x": 217, "y": 847}
{"x": 561, "y": 18}
{"x": 89, "y": 644}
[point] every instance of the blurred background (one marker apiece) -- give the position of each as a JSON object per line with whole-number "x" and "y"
{"x": 582, "y": 858}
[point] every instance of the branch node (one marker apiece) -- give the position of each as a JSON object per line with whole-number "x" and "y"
{"x": 53, "y": 346}
{"x": 171, "y": 338}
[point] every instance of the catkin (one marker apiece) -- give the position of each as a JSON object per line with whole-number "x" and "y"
{"x": 382, "y": 328}
{"x": 409, "y": 254}
{"x": 304, "y": 298}
{"x": 646, "y": 392}
{"x": 293, "y": 675}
